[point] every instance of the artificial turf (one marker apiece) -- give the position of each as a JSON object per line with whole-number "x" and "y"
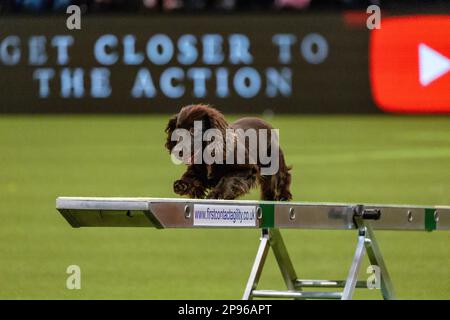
{"x": 364, "y": 159}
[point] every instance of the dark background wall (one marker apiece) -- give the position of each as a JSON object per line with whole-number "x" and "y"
{"x": 330, "y": 74}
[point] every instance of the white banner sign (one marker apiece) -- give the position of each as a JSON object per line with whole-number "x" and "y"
{"x": 224, "y": 215}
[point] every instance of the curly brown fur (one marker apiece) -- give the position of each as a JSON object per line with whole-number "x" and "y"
{"x": 226, "y": 181}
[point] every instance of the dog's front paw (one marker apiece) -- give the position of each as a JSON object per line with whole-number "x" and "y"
{"x": 197, "y": 193}
{"x": 180, "y": 187}
{"x": 212, "y": 195}
{"x": 215, "y": 194}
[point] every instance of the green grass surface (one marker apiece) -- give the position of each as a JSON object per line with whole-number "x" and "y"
{"x": 336, "y": 159}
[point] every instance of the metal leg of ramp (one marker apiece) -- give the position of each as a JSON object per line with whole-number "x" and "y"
{"x": 271, "y": 238}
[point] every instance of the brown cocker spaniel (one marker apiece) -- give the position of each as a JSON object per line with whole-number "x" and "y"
{"x": 223, "y": 180}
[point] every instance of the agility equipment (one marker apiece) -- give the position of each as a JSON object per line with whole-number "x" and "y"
{"x": 269, "y": 217}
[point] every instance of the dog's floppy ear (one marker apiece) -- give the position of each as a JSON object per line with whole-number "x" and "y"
{"x": 216, "y": 119}
{"x": 171, "y": 125}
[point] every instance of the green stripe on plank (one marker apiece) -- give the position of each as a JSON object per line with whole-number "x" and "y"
{"x": 430, "y": 222}
{"x": 268, "y": 215}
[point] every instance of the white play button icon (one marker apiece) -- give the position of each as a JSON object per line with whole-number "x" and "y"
{"x": 432, "y": 64}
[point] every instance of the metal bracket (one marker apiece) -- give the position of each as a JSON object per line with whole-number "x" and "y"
{"x": 271, "y": 238}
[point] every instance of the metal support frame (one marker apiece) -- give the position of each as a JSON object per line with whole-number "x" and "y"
{"x": 366, "y": 243}
{"x": 271, "y": 238}
{"x": 376, "y": 258}
{"x": 270, "y": 217}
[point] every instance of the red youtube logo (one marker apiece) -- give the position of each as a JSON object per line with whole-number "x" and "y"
{"x": 410, "y": 64}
